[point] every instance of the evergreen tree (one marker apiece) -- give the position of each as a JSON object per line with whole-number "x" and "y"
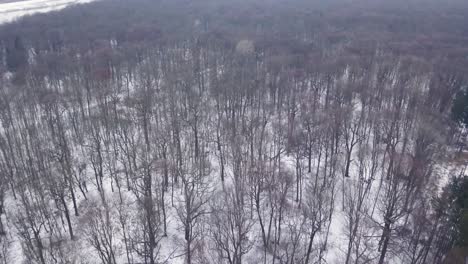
{"x": 16, "y": 55}
{"x": 459, "y": 194}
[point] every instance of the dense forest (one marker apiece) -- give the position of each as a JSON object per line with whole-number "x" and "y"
{"x": 241, "y": 131}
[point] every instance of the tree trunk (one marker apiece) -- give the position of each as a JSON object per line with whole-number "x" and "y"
{"x": 67, "y": 216}
{"x": 309, "y": 247}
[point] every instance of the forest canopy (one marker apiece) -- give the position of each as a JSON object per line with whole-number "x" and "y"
{"x": 245, "y": 131}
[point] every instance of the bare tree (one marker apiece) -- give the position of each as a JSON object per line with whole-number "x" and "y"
{"x": 230, "y": 226}
{"x": 194, "y": 204}
{"x": 100, "y": 229}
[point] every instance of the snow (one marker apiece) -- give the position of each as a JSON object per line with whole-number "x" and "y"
{"x": 172, "y": 246}
{"x": 14, "y": 10}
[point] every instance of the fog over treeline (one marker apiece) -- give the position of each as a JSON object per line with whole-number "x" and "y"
{"x": 242, "y": 131}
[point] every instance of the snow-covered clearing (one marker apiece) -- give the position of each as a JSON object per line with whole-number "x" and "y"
{"x": 14, "y": 10}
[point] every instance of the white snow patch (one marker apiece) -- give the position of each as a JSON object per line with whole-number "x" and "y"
{"x": 15, "y": 10}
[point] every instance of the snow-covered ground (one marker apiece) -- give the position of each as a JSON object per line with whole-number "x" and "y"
{"x": 14, "y": 10}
